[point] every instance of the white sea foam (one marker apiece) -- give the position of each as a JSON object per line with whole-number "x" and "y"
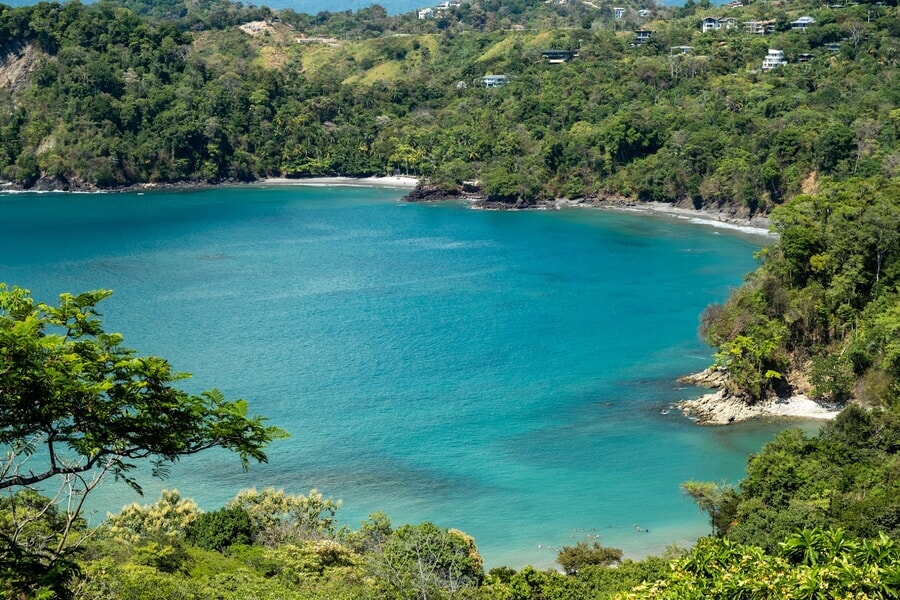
{"x": 733, "y": 227}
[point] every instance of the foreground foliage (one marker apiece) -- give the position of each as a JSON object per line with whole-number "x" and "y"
{"x": 810, "y": 564}
{"x": 815, "y": 517}
{"x": 425, "y": 561}
{"x": 269, "y": 544}
{"x": 77, "y": 407}
{"x": 845, "y": 477}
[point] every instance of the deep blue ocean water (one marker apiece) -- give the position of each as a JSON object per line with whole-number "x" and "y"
{"x": 509, "y": 374}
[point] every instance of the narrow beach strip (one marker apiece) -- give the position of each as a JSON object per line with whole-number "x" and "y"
{"x": 720, "y": 408}
{"x": 388, "y": 181}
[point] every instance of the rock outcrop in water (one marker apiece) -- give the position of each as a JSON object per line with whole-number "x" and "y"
{"x": 723, "y": 407}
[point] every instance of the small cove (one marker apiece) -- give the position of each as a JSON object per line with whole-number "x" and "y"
{"x": 505, "y": 373}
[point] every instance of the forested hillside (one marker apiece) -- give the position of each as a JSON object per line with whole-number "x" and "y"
{"x": 822, "y": 314}
{"x": 102, "y": 96}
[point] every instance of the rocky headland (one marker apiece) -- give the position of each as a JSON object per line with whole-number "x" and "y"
{"x": 722, "y": 407}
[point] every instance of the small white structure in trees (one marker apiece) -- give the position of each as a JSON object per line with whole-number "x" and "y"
{"x": 775, "y": 58}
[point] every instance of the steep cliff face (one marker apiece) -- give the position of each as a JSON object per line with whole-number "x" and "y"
{"x": 17, "y": 61}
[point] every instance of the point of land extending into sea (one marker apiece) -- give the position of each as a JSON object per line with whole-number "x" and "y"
{"x": 724, "y": 408}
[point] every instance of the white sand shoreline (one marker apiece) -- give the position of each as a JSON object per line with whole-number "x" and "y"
{"x": 391, "y": 181}
{"x": 801, "y": 406}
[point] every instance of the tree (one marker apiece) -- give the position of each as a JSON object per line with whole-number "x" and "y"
{"x": 716, "y": 500}
{"x": 170, "y": 517}
{"x": 424, "y": 561}
{"x": 574, "y": 558}
{"x": 77, "y": 407}
{"x": 221, "y": 528}
{"x": 279, "y": 518}
{"x": 31, "y": 528}
{"x": 373, "y": 534}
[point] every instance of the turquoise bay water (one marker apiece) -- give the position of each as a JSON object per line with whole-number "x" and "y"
{"x": 505, "y": 373}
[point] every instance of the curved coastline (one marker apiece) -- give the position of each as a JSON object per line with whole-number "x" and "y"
{"x": 720, "y": 219}
{"x": 716, "y": 408}
{"x": 707, "y": 216}
{"x": 719, "y": 407}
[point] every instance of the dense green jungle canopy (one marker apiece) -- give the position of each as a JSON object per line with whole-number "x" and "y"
{"x": 822, "y": 314}
{"x": 119, "y": 93}
{"x": 110, "y": 94}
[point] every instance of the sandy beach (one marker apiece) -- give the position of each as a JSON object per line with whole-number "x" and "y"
{"x": 801, "y": 406}
{"x": 392, "y": 181}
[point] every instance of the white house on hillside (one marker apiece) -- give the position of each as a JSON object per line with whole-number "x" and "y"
{"x": 775, "y": 58}
{"x": 714, "y": 23}
{"x": 802, "y": 23}
{"x": 760, "y": 27}
{"x": 491, "y": 81}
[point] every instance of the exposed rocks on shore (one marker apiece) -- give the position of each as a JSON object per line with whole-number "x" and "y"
{"x": 723, "y": 407}
{"x": 429, "y": 192}
{"x": 56, "y": 184}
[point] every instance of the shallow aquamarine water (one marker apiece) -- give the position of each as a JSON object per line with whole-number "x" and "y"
{"x": 505, "y": 373}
